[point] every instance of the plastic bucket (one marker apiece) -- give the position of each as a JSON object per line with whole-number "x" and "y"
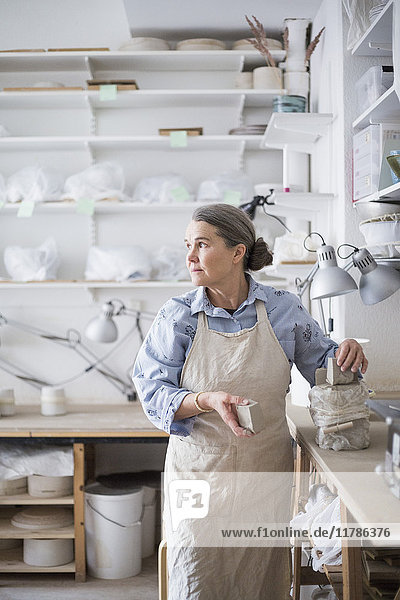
{"x": 113, "y": 531}
{"x": 151, "y": 483}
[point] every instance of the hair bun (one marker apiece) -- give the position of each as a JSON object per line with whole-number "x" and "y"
{"x": 260, "y": 255}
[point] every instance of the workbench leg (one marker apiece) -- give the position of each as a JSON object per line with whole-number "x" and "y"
{"x": 79, "y": 512}
{"x": 301, "y": 492}
{"x": 351, "y": 563}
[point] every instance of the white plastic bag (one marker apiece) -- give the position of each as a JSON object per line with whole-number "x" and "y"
{"x": 322, "y": 553}
{"x": 319, "y": 498}
{"x": 358, "y": 13}
{"x": 163, "y": 189}
{"x": 168, "y": 263}
{"x": 117, "y": 263}
{"x": 32, "y": 264}
{"x": 233, "y": 187}
{"x": 97, "y": 182}
{"x": 35, "y": 184}
{"x": 289, "y": 248}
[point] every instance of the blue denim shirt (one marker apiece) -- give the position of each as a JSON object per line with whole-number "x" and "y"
{"x": 160, "y": 360}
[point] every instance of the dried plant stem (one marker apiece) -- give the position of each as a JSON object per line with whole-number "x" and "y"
{"x": 311, "y": 45}
{"x": 260, "y": 43}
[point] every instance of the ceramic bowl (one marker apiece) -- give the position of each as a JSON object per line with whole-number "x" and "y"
{"x": 394, "y": 163}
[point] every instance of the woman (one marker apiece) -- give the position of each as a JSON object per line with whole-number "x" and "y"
{"x": 209, "y": 350}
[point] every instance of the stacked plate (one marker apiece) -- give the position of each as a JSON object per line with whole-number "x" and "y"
{"x": 246, "y": 45}
{"x": 144, "y": 43}
{"x": 376, "y": 10}
{"x": 201, "y": 44}
{"x": 249, "y": 130}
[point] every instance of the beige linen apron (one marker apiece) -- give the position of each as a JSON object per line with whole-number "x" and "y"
{"x": 249, "y": 363}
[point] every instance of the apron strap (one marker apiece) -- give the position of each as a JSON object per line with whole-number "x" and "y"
{"x": 202, "y": 321}
{"x": 261, "y": 311}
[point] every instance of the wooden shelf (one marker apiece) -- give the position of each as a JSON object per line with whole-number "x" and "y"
{"x": 126, "y": 143}
{"x": 8, "y": 531}
{"x": 154, "y": 98}
{"x": 296, "y": 131}
{"x": 31, "y": 500}
{"x": 386, "y": 108}
{"x": 11, "y": 562}
{"x": 379, "y": 31}
{"x": 117, "y": 60}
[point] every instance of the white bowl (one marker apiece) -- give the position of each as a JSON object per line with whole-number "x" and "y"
{"x": 48, "y": 553}
{"x": 145, "y": 43}
{"x": 201, "y": 44}
{"x": 48, "y": 486}
{"x": 244, "y": 44}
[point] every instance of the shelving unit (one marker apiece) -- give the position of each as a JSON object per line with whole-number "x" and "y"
{"x": 11, "y": 560}
{"x": 377, "y": 36}
{"x": 376, "y": 41}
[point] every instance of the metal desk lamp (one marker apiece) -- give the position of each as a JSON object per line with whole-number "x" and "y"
{"x": 327, "y": 279}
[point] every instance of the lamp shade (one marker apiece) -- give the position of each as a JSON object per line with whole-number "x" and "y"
{"x": 330, "y": 280}
{"x": 103, "y": 328}
{"x": 377, "y": 282}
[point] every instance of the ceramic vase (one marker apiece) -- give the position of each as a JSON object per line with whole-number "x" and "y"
{"x": 267, "y": 78}
{"x": 296, "y": 53}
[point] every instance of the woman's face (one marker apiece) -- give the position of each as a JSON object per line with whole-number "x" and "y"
{"x": 209, "y": 260}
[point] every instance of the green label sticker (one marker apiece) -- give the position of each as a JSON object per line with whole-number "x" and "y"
{"x": 2, "y": 203}
{"x": 108, "y": 92}
{"x": 178, "y": 139}
{"x": 26, "y": 209}
{"x": 232, "y": 197}
{"x": 85, "y": 206}
{"x": 180, "y": 194}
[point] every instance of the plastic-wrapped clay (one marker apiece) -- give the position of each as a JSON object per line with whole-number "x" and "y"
{"x": 35, "y": 184}
{"x": 341, "y": 414}
{"x": 355, "y": 437}
{"x": 163, "y": 189}
{"x": 107, "y": 263}
{"x": 103, "y": 181}
{"x": 32, "y": 264}
{"x": 168, "y": 263}
{"x": 233, "y": 187}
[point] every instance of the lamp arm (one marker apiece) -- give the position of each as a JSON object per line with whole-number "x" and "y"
{"x": 113, "y": 378}
{"x": 302, "y": 286}
{"x": 26, "y": 377}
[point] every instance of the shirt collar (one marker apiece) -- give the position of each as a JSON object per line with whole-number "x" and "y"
{"x": 201, "y": 303}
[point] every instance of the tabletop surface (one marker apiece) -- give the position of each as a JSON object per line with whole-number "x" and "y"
{"x": 352, "y": 472}
{"x": 114, "y": 420}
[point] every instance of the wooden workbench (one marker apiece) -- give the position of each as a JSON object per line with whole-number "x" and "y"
{"x": 81, "y": 426}
{"x": 365, "y": 496}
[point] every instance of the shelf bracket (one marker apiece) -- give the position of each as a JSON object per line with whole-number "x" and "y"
{"x": 89, "y": 67}
{"x": 93, "y": 117}
{"x": 242, "y": 100}
{"x": 89, "y": 149}
{"x": 242, "y": 148}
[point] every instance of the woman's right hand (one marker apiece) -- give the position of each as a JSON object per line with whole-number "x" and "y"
{"x": 225, "y": 405}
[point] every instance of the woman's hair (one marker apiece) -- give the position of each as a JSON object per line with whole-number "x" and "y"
{"x": 235, "y": 227}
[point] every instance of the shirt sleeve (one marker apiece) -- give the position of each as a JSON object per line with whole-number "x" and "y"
{"x": 158, "y": 367}
{"x": 312, "y": 347}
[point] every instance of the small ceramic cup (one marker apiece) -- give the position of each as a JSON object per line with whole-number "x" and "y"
{"x": 52, "y": 401}
{"x": 7, "y": 402}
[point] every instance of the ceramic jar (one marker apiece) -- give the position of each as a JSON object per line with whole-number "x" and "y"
{"x": 7, "y": 402}
{"x": 267, "y": 78}
{"x": 52, "y": 401}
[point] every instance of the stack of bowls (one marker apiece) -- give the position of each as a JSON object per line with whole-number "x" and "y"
{"x": 245, "y": 45}
{"x": 201, "y": 44}
{"x": 144, "y": 43}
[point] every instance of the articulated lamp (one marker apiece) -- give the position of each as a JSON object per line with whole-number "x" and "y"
{"x": 327, "y": 279}
{"x": 103, "y": 328}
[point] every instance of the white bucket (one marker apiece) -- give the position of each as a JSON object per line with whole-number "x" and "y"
{"x": 149, "y": 529}
{"x": 113, "y": 531}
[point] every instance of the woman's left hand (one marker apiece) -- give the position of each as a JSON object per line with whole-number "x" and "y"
{"x": 350, "y": 354}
